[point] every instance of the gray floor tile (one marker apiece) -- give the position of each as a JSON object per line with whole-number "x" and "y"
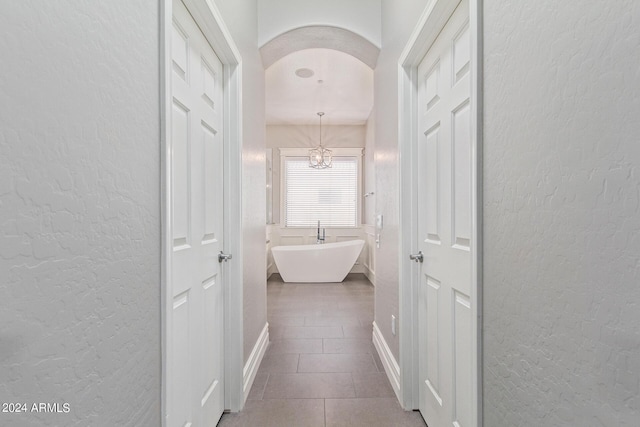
{"x": 277, "y": 413}
{"x": 336, "y": 363}
{"x": 309, "y": 386}
{"x": 332, "y": 321}
{"x": 357, "y": 331}
{"x": 290, "y": 332}
{"x": 342, "y": 312}
{"x": 372, "y": 385}
{"x": 286, "y": 321}
{"x": 376, "y": 358}
{"x": 324, "y": 327}
{"x": 275, "y": 332}
{"x": 347, "y": 345}
{"x": 257, "y": 389}
{"x": 295, "y": 346}
{"x": 289, "y": 305}
{"x": 278, "y": 363}
{"x": 367, "y": 321}
{"x": 307, "y": 311}
{"x": 364, "y": 306}
{"x": 375, "y": 412}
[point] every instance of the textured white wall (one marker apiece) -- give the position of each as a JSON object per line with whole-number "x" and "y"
{"x": 279, "y": 16}
{"x": 241, "y": 17}
{"x": 79, "y": 211}
{"x": 561, "y": 213}
{"x": 399, "y": 17}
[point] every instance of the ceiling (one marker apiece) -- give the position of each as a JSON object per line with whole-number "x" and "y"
{"x": 341, "y": 87}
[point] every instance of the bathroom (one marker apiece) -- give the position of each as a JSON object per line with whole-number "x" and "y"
{"x": 298, "y": 87}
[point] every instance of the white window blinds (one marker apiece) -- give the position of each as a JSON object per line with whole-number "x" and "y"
{"x": 326, "y": 195}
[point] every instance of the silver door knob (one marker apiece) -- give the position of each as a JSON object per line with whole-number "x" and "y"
{"x": 419, "y": 257}
{"x": 224, "y": 257}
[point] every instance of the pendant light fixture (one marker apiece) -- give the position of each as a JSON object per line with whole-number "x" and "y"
{"x": 320, "y": 157}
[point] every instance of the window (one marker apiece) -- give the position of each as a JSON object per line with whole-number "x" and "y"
{"x": 326, "y": 195}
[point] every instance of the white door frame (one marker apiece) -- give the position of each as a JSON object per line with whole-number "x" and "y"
{"x": 209, "y": 19}
{"x": 429, "y": 26}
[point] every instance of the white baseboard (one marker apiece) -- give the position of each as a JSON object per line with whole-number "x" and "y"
{"x": 389, "y": 362}
{"x": 272, "y": 269}
{"x": 357, "y": 268}
{"x": 371, "y": 275}
{"x": 251, "y": 367}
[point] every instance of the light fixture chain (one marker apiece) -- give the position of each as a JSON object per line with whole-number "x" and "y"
{"x": 320, "y": 157}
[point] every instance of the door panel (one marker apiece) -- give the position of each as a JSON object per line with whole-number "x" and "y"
{"x": 462, "y": 366}
{"x": 434, "y": 337}
{"x": 180, "y": 363}
{"x": 180, "y": 173}
{"x": 195, "y": 380}
{"x": 461, "y": 152}
{"x": 444, "y": 226}
{"x": 432, "y": 197}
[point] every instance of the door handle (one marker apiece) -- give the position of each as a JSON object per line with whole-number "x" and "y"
{"x": 419, "y": 257}
{"x": 224, "y": 257}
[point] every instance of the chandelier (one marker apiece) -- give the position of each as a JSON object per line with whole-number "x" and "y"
{"x": 320, "y": 157}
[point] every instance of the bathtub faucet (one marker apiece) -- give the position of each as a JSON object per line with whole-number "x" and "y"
{"x": 319, "y": 239}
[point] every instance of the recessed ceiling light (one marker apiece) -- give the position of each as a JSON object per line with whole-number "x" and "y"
{"x": 305, "y": 73}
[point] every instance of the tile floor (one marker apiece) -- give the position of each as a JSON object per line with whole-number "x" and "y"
{"x": 321, "y": 368}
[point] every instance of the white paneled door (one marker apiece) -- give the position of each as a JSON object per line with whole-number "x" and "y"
{"x": 444, "y": 227}
{"x": 195, "y": 368}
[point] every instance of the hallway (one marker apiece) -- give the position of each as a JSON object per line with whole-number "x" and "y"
{"x": 321, "y": 368}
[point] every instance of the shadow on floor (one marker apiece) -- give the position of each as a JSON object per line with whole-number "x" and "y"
{"x": 321, "y": 368}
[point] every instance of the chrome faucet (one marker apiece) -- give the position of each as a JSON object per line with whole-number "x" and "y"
{"x": 320, "y": 240}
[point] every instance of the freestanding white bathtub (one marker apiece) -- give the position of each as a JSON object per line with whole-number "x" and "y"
{"x": 328, "y": 262}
